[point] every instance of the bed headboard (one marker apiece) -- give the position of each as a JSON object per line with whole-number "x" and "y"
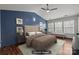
{"x": 31, "y": 28}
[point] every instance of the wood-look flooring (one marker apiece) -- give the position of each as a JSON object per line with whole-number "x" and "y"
{"x": 67, "y": 48}
{"x": 14, "y": 50}
{"x": 10, "y": 50}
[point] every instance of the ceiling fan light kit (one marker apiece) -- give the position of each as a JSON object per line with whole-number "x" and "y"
{"x": 47, "y": 9}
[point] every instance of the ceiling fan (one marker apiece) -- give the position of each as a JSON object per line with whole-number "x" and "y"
{"x": 47, "y": 9}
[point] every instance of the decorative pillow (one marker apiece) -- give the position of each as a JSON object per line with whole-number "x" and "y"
{"x": 38, "y": 32}
{"x": 31, "y": 33}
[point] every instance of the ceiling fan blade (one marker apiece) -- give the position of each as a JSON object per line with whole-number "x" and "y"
{"x": 53, "y": 9}
{"x": 43, "y": 8}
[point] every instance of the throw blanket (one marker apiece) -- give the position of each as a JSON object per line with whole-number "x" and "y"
{"x": 30, "y": 38}
{"x": 41, "y": 41}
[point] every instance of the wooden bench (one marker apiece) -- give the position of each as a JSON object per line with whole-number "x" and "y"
{"x": 61, "y": 36}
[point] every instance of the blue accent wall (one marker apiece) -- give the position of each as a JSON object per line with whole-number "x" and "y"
{"x": 8, "y": 24}
{"x": 0, "y": 28}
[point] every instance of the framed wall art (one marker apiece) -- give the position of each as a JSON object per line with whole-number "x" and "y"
{"x": 19, "y": 21}
{"x": 19, "y": 29}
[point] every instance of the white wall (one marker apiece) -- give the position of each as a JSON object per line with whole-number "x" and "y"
{"x": 75, "y": 18}
{"x": 76, "y": 39}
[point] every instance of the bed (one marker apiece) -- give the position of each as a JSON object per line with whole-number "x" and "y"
{"x": 40, "y": 41}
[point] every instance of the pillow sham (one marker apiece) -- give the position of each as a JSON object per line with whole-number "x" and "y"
{"x": 31, "y": 33}
{"x": 38, "y": 32}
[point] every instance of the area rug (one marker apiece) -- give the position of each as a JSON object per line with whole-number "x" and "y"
{"x": 54, "y": 49}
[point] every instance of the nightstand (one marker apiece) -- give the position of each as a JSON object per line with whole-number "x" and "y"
{"x": 20, "y": 38}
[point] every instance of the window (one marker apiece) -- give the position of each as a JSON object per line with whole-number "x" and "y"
{"x": 51, "y": 27}
{"x": 69, "y": 26}
{"x": 58, "y": 27}
{"x": 42, "y": 26}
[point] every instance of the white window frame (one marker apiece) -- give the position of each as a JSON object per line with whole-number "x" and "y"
{"x": 68, "y": 24}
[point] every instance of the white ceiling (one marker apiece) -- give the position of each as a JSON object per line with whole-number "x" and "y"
{"x": 63, "y": 9}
